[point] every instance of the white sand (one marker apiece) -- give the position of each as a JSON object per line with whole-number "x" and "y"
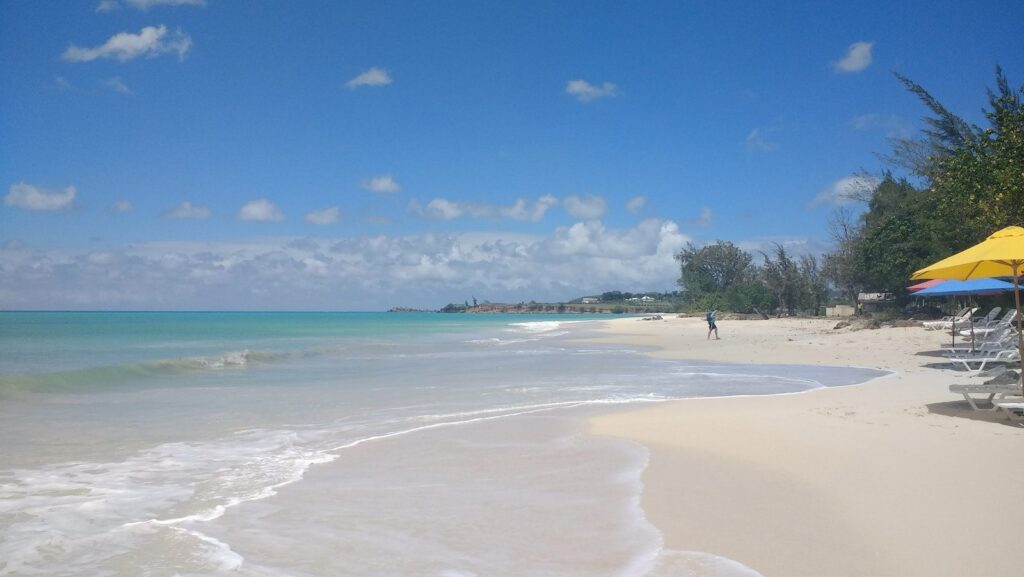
{"x": 894, "y": 477}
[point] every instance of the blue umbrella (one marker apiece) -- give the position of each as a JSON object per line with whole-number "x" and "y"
{"x": 978, "y": 286}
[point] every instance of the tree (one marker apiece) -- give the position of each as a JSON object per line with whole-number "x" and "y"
{"x": 840, "y": 267}
{"x": 898, "y": 235}
{"x": 973, "y": 186}
{"x": 945, "y": 135}
{"x": 711, "y": 269}
{"x": 980, "y": 188}
{"x": 782, "y": 275}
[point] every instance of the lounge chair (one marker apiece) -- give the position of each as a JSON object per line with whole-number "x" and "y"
{"x": 1001, "y": 356}
{"x": 1002, "y": 391}
{"x": 1014, "y": 408}
{"x": 1004, "y": 338}
{"x": 978, "y": 323}
{"x": 947, "y": 323}
{"x": 989, "y": 317}
{"x": 993, "y": 326}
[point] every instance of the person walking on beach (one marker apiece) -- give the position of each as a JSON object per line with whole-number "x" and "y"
{"x": 712, "y": 327}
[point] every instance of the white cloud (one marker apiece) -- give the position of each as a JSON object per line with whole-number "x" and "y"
{"x": 121, "y": 206}
{"x": 758, "y": 140}
{"x": 187, "y": 210}
{"x": 846, "y": 190}
{"x": 117, "y": 85}
{"x": 703, "y": 219}
{"x": 383, "y": 183}
{"x": 32, "y": 197}
{"x": 857, "y": 58}
{"x": 260, "y": 210}
{"x": 636, "y": 203}
{"x": 372, "y": 77}
{"x": 62, "y": 83}
{"x": 353, "y": 273}
{"x": 324, "y": 217}
{"x": 442, "y": 209}
{"x": 521, "y": 209}
{"x": 111, "y": 5}
{"x": 151, "y": 41}
{"x": 586, "y": 92}
{"x": 586, "y": 207}
{"x": 894, "y": 127}
{"x": 147, "y": 4}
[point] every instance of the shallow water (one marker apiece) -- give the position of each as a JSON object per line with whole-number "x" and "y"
{"x": 334, "y": 444}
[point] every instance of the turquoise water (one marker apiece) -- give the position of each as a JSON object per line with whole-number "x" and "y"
{"x": 332, "y": 444}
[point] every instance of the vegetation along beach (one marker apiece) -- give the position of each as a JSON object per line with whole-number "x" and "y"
{"x": 478, "y": 289}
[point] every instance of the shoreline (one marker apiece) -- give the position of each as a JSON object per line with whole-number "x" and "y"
{"x": 894, "y": 476}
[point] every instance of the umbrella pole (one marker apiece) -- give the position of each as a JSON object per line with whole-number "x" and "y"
{"x": 1020, "y": 335}
{"x": 972, "y": 326}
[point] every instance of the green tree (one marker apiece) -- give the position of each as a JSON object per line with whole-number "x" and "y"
{"x": 782, "y": 276}
{"x": 711, "y": 269}
{"x": 980, "y": 188}
{"x": 897, "y": 236}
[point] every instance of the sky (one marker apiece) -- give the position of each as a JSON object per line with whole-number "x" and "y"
{"x": 320, "y": 155}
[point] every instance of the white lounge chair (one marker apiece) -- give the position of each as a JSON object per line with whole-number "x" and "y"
{"x": 1002, "y": 356}
{"x": 947, "y": 323}
{"x": 1004, "y": 338}
{"x": 1014, "y": 408}
{"x": 992, "y": 391}
{"x": 992, "y": 326}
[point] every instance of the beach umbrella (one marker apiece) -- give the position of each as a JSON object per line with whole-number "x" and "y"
{"x": 973, "y": 287}
{"x": 1001, "y": 254}
{"x": 954, "y": 288}
{"x": 925, "y": 284}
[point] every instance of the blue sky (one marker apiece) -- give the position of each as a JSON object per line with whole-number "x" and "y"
{"x": 190, "y": 154}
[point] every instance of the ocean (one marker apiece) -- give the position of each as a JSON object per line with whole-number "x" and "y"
{"x": 336, "y": 444}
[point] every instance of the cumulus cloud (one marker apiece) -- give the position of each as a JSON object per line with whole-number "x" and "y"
{"x": 107, "y": 6}
{"x": 151, "y": 41}
{"x": 118, "y": 85}
{"x": 324, "y": 217}
{"x": 846, "y": 190}
{"x": 757, "y": 139}
{"x": 585, "y": 207}
{"x": 586, "y": 92}
{"x": 260, "y": 210}
{"x": 187, "y": 210}
{"x": 32, "y": 197}
{"x": 636, "y": 203}
{"x": 354, "y": 273}
{"x": 121, "y": 206}
{"x": 372, "y": 77}
{"x": 381, "y": 184}
{"x": 521, "y": 209}
{"x": 857, "y": 58}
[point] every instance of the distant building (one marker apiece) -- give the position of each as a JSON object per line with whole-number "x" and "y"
{"x": 591, "y": 300}
{"x": 647, "y": 299}
{"x": 871, "y": 302}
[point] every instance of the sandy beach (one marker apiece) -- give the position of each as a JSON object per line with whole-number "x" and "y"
{"x": 894, "y": 477}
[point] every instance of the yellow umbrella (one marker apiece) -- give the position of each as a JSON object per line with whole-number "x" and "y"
{"x": 1001, "y": 254}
